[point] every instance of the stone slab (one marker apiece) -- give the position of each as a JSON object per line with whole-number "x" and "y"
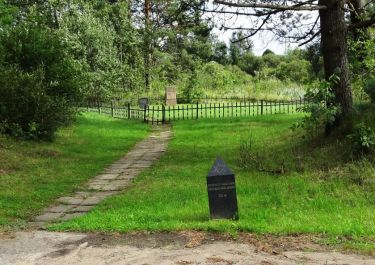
{"x": 106, "y": 176}
{"x": 99, "y": 182}
{"x": 81, "y": 209}
{"x": 70, "y": 200}
{"x": 60, "y": 208}
{"x": 48, "y": 217}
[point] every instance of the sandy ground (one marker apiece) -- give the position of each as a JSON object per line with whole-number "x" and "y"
{"x": 42, "y": 247}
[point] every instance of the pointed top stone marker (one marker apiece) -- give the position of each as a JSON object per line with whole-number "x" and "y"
{"x": 220, "y": 169}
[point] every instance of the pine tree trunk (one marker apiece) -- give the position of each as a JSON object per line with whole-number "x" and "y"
{"x": 335, "y": 54}
{"x": 147, "y": 40}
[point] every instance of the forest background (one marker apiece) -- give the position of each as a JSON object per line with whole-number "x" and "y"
{"x": 55, "y": 55}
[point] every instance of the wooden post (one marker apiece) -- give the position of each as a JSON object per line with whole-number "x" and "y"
{"x": 197, "y": 110}
{"x": 261, "y": 107}
{"x": 129, "y": 111}
{"x": 112, "y": 110}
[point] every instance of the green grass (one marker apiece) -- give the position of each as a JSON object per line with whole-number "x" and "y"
{"x": 34, "y": 174}
{"x": 317, "y": 190}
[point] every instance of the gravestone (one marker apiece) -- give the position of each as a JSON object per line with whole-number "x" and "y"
{"x": 222, "y": 195}
{"x": 143, "y": 102}
{"x": 170, "y": 96}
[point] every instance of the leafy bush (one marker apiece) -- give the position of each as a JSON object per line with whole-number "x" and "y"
{"x": 370, "y": 89}
{"x": 362, "y": 139}
{"x": 39, "y": 85}
{"x": 322, "y": 111}
{"x": 27, "y": 109}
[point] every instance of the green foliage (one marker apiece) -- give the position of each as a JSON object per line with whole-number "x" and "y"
{"x": 370, "y": 89}
{"x": 63, "y": 55}
{"x": 313, "y": 54}
{"x": 213, "y": 78}
{"x": 296, "y": 70}
{"x": 104, "y": 42}
{"x": 362, "y": 139}
{"x": 322, "y": 111}
{"x": 29, "y": 107}
{"x": 39, "y": 82}
{"x": 362, "y": 63}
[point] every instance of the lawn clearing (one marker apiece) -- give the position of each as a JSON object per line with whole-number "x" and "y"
{"x": 33, "y": 174}
{"x": 284, "y": 185}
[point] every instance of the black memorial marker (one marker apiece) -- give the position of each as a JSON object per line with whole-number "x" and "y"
{"x": 222, "y": 195}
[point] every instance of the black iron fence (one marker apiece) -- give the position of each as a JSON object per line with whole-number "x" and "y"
{"x": 183, "y": 100}
{"x": 157, "y": 114}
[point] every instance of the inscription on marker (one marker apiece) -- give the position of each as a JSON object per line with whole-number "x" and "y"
{"x": 222, "y": 195}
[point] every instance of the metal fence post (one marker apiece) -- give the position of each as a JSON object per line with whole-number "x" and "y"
{"x": 144, "y": 114}
{"x": 261, "y": 107}
{"x": 163, "y": 114}
{"x": 197, "y": 111}
{"x": 129, "y": 111}
{"x": 112, "y": 110}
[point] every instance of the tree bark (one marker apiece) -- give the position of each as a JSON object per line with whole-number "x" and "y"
{"x": 147, "y": 40}
{"x": 335, "y": 53}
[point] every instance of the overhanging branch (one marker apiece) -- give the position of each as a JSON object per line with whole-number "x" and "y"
{"x": 306, "y": 6}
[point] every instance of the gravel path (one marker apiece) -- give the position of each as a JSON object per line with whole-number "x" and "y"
{"x": 42, "y": 247}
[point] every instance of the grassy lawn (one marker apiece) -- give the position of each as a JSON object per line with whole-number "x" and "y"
{"x": 34, "y": 174}
{"x": 284, "y": 184}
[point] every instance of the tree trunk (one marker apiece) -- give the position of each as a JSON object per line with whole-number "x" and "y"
{"x": 335, "y": 54}
{"x": 147, "y": 40}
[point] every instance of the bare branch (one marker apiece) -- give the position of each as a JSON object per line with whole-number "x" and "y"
{"x": 255, "y": 31}
{"x": 257, "y": 14}
{"x": 306, "y": 6}
{"x": 311, "y": 39}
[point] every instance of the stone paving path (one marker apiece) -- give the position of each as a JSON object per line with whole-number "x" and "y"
{"x": 110, "y": 182}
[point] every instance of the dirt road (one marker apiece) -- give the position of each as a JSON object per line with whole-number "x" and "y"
{"x": 41, "y": 247}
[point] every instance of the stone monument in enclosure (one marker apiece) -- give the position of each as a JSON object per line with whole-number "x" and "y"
{"x": 143, "y": 102}
{"x": 170, "y": 96}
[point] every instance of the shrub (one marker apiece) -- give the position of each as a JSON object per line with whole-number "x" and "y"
{"x": 39, "y": 86}
{"x": 370, "y": 88}
{"x": 322, "y": 111}
{"x": 27, "y": 109}
{"x": 362, "y": 139}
